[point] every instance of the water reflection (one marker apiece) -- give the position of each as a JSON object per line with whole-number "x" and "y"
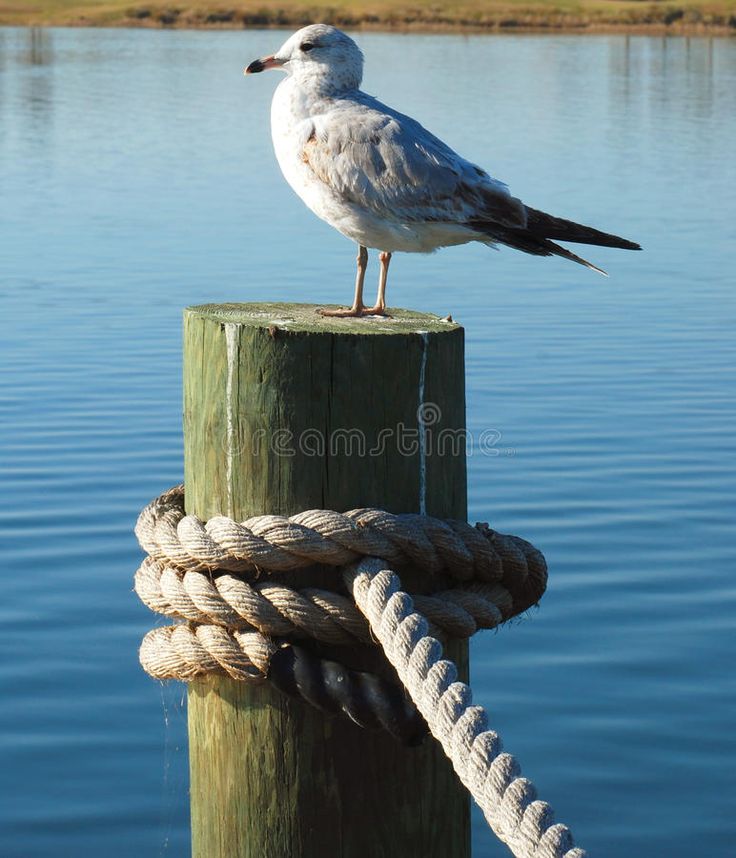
{"x": 663, "y": 72}
{"x": 29, "y": 90}
{"x": 40, "y": 47}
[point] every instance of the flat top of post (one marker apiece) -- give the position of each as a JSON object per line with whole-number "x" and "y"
{"x": 306, "y": 317}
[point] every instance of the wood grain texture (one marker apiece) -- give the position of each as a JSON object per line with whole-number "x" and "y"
{"x": 285, "y": 411}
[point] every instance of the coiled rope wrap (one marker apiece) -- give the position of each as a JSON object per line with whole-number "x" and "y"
{"x": 206, "y": 573}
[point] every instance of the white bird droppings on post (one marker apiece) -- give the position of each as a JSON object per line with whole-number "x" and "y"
{"x": 231, "y": 343}
{"x": 421, "y": 424}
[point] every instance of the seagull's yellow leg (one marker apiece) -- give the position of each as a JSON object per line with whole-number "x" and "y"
{"x": 358, "y": 308}
{"x": 380, "y": 308}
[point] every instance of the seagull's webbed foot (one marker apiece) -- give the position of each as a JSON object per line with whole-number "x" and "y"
{"x": 344, "y": 312}
{"x": 354, "y": 312}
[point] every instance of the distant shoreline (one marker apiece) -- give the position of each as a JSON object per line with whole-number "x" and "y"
{"x": 640, "y": 17}
{"x": 537, "y": 29}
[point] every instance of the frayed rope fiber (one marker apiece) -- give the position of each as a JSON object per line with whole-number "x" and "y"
{"x": 220, "y": 578}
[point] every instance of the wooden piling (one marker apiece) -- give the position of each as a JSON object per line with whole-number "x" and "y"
{"x": 285, "y": 410}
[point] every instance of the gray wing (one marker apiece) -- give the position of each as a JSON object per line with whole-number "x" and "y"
{"x": 386, "y": 162}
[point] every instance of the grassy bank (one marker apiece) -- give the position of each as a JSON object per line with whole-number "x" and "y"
{"x": 654, "y": 16}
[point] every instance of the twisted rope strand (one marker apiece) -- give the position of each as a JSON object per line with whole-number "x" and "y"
{"x": 508, "y": 801}
{"x": 191, "y": 651}
{"x": 368, "y": 700}
{"x": 279, "y": 544}
{"x": 275, "y": 609}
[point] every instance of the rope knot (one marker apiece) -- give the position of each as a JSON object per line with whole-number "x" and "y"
{"x": 223, "y": 580}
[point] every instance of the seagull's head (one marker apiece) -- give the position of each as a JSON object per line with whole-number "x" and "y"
{"x": 320, "y": 56}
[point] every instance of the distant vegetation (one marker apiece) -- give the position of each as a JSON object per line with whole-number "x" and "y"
{"x": 672, "y": 16}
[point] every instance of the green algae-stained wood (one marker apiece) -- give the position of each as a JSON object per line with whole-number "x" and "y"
{"x": 285, "y": 410}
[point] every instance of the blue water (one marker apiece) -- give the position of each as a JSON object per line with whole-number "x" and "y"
{"x": 136, "y": 177}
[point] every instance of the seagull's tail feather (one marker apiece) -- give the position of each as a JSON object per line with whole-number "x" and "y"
{"x": 568, "y": 254}
{"x": 521, "y": 239}
{"x": 544, "y": 225}
{"x": 536, "y": 237}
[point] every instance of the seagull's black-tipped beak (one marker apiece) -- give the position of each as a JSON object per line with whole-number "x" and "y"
{"x": 262, "y": 65}
{"x": 255, "y": 67}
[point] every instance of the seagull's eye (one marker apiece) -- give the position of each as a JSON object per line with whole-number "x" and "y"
{"x": 306, "y": 46}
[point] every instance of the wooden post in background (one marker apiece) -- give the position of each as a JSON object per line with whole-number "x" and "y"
{"x": 285, "y": 411}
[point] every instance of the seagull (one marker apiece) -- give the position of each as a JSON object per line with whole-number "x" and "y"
{"x": 384, "y": 181}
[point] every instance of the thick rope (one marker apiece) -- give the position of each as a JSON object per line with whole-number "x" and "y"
{"x": 368, "y": 700}
{"x": 198, "y": 572}
{"x": 190, "y": 652}
{"x": 279, "y": 544}
{"x": 509, "y": 802}
{"x": 275, "y": 609}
